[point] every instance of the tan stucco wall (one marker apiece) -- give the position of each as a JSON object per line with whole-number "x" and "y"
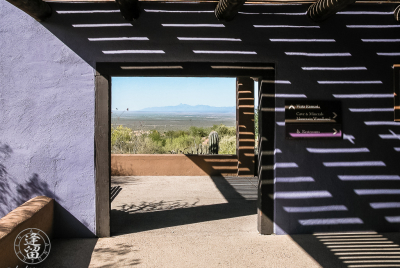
{"x": 35, "y": 213}
{"x": 173, "y": 165}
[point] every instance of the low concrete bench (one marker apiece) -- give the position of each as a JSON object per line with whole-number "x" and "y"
{"x": 35, "y": 213}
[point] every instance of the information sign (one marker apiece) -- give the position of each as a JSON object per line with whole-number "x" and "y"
{"x": 313, "y": 119}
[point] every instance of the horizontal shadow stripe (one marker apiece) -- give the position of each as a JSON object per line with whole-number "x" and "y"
{"x": 284, "y": 26}
{"x": 384, "y": 205}
{"x": 86, "y": 11}
{"x": 293, "y": 179}
{"x": 364, "y": 13}
{"x": 373, "y": 26}
{"x": 286, "y": 165}
{"x": 315, "y": 209}
{"x": 102, "y": 25}
{"x": 288, "y": 14}
{"x": 377, "y": 191}
{"x": 334, "y": 221}
{"x": 178, "y": 11}
{"x": 388, "y": 54}
{"x": 362, "y": 96}
{"x": 208, "y": 39}
{"x": 346, "y": 54}
{"x": 194, "y": 25}
{"x": 133, "y": 52}
{"x": 369, "y": 177}
{"x": 349, "y": 82}
{"x": 302, "y": 194}
{"x": 355, "y": 164}
{"x": 380, "y": 40}
{"x": 302, "y": 40}
{"x": 370, "y": 110}
{"x": 224, "y": 52}
{"x": 337, "y": 150}
{"x": 119, "y": 39}
{"x": 381, "y": 123}
{"x": 393, "y": 219}
{"x": 284, "y": 95}
{"x": 333, "y": 68}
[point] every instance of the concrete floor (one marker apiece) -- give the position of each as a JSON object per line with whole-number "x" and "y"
{"x": 203, "y": 222}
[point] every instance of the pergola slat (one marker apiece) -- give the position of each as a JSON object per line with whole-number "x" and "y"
{"x": 37, "y": 9}
{"x": 323, "y": 9}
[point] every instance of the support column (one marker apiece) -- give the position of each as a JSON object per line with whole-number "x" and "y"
{"x": 102, "y": 142}
{"x": 245, "y": 126}
{"x": 266, "y": 155}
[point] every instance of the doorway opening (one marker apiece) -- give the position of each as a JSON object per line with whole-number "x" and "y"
{"x": 242, "y": 73}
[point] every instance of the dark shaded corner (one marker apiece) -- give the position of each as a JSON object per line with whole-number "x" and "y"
{"x": 66, "y": 253}
{"x": 67, "y": 226}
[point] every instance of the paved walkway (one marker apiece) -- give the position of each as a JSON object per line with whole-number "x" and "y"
{"x": 208, "y": 222}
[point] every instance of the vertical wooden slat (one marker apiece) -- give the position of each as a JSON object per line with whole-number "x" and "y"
{"x": 266, "y": 156}
{"x": 245, "y": 125}
{"x": 102, "y": 154}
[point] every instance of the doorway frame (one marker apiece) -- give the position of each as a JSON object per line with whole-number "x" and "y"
{"x": 102, "y": 137}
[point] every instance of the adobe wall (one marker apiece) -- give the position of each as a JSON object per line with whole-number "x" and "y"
{"x": 173, "y": 165}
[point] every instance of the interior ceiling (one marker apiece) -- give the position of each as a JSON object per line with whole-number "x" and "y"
{"x": 216, "y": 1}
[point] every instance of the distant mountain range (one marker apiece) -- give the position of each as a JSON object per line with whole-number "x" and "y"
{"x": 189, "y": 108}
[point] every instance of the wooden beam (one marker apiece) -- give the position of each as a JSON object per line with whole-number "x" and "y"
{"x": 323, "y": 9}
{"x": 245, "y": 126}
{"x": 37, "y": 9}
{"x": 226, "y": 10}
{"x": 397, "y": 13}
{"x": 129, "y": 9}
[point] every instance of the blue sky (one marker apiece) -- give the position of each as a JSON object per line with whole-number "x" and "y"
{"x": 137, "y": 93}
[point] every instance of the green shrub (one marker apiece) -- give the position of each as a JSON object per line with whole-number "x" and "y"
{"x": 227, "y": 145}
{"x": 223, "y": 130}
{"x": 125, "y": 141}
{"x": 198, "y": 131}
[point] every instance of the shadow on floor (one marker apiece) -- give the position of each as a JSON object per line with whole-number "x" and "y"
{"x": 66, "y": 253}
{"x": 241, "y": 194}
{"x": 125, "y": 222}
